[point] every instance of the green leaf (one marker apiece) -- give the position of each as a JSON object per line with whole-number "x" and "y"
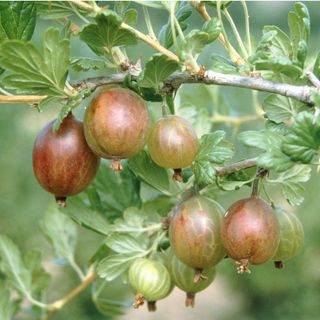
{"x": 17, "y": 20}
{"x": 222, "y": 64}
{"x": 148, "y": 171}
{"x": 235, "y": 180}
{"x": 33, "y": 72}
{"x": 110, "y": 307}
{"x": 304, "y": 140}
{"x": 126, "y": 243}
{"x": 157, "y": 69}
{"x": 182, "y": 14}
{"x": 270, "y": 142}
{"x": 299, "y": 25}
{"x": 107, "y": 33}
{"x": 114, "y": 265}
{"x": 86, "y": 64}
{"x": 274, "y": 52}
{"x": 130, "y": 17}
{"x": 204, "y": 172}
{"x": 51, "y": 102}
{"x": 215, "y": 148}
{"x": 291, "y": 183}
{"x": 85, "y": 216}
{"x": 316, "y": 67}
{"x": 279, "y": 108}
{"x": 212, "y": 28}
{"x": 7, "y": 306}
{"x": 133, "y": 218}
{"x": 11, "y": 264}
{"x": 40, "y": 278}
{"x": 66, "y": 108}
{"x": 58, "y": 9}
{"x": 61, "y": 232}
{"x": 196, "y": 40}
{"x": 117, "y": 190}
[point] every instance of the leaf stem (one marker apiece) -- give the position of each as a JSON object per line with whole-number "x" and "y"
{"x": 76, "y": 268}
{"x": 236, "y": 33}
{"x": 57, "y": 305}
{"x": 234, "y": 55}
{"x": 235, "y": 120}
{"x": 148, "y": 22}
{"x": 247, "y": 25}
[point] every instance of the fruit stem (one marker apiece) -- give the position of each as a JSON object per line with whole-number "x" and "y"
{"x": 255, "y": 186}
{"x": 152, "y": 306}
{"x": 279, "y": 264}
{"x": 190, "y": 299}
{"x": 61, "y": 201}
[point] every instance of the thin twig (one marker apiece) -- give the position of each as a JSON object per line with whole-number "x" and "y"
{"x": 235, "y": 120}
{"x": 173, "y": 82}
{"x": 313, "y": 79}
{"x": 245, "y": 164}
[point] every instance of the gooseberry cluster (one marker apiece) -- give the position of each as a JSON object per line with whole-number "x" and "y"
{"x": 116, "y": 126}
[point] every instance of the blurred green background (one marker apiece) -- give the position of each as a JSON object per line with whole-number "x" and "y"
{"x": 291, "y": 293}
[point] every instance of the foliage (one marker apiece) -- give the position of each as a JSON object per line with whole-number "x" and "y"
{"x": 128, "y": 211}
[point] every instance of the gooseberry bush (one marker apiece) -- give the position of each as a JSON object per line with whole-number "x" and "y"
{"x": 146, "y": 165}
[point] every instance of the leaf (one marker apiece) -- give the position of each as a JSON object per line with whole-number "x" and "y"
{"x": 148, "y": 171}
{"x": 85, "y": 216}
{"x": 204, "y": 172}
{"x": 11, "y": 264}
{"x": 66, "y": 108}
{"x": 222, "y": 64}
{"x": 156, "y": 70}
{"x": 279, "y": 108}
{"x": 212, "y": 28}
{"x": 126, "y": 243}
{"x": 299, "y": 25}
{"x": 51, "y": 102}
{"x": 274, "y": 52}
{"x": 7, "y": 307}
{"x": 182, "y": 14}
{"x": 33, "y": 72}
{"x": 58, "y": 9}
{"x": 86, "y": 64}
{"x": 291, "y": 183}
{"x": 304, "y": 140}
{"x": 130, "y": 17}
{"x": 60, "y": 231}
{"x": 270, "y": 142}
{"x": 116, "y": 190}
{"x": 316, "y": 67}
{"x": 114, "y": 265}
{"x": 107, "y": 33}
{"x": 40, "y": 278}
{"x": 235, "y": 180}
{"x": 215, "y": 148}
{"x": 17, "y": 20}
{"x": 196, "y": 40}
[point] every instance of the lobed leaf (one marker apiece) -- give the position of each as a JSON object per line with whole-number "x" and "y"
{"x": 270, "y": 142}
{"x": 156, "y": 70}
{"x": 303, "y": 142}
{"x": 11, "y": 264}
{"x": 33, "y": 72}
{"x": 60, "y": 231}
{"x": 106, "y": 33}
{"x": 17, "y": 20}
{"x": 291, "y": 183}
